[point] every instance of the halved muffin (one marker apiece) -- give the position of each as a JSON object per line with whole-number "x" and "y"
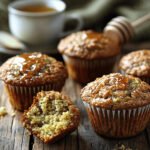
{"x": 51, "y": 116}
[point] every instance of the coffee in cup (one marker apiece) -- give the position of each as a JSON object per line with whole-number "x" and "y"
{"x": 38, "y": 22}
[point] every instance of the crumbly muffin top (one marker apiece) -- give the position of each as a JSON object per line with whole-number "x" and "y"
{"x": 116, "y": 91}
{"x": 50, "y": 115}
{"x": 136, "y": 63}
{"x": 88, "y": 45}
{"x": 32, "y": 69}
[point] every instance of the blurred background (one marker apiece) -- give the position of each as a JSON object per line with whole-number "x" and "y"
{"x": 95, "y": 15}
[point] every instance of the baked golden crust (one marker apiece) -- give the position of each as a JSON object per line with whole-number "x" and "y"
{"x": 116, "y": 91}
{"x": 136, "y": 63}
{"x": 51, "y": 116}
{"x": 88, "y": 45}
{"x": 31, "y": 69}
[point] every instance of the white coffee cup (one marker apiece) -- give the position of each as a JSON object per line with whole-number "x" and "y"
{"x": 38, "y": 27}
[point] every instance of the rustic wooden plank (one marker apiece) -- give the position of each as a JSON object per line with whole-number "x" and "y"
{"x": 88, "y": 139}
{"x": 72, "y": 139}
{"x": 59, "y": 145}
{"x": 39, "y": 145}
{"x": 21, "y": 136}
{"x": 12, "y": 134}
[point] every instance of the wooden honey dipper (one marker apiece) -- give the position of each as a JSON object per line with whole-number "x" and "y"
{"x": 123, "y": 29}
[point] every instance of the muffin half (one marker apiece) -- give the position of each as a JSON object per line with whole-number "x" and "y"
{"x": 88, "y": 55}
{"x": 51, "y": 116}
{"x": 117, "y": 105}
{"x": 136, "y": 63}
{"x": 26, "y": 74}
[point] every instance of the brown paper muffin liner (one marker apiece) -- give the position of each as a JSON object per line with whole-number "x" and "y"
{"x": 21, "y": 96}
{"x": 118, "y": 123}
{"x": 85, "y": 71}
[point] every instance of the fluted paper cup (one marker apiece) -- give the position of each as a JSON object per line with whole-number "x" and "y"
{"x": 118, "y": 123}
{"x": 85, "y": 71}
{"x": 21, "y": 96}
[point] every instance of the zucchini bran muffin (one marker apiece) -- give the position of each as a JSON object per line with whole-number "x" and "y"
{"x": 137, "y": 64}
{"x": 88, "y": 54}
{"x": 117, "y": 105}
{"x": 26, "y": 74}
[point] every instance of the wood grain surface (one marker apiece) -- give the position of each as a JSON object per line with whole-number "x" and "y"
{"x": 14, "y": 137}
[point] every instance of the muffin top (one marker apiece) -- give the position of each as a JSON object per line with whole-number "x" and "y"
{"x": 30, "y": 69}
{"x": 116, "y": 91}
{"x": 51, "y": 115}
{"x": 88, "y": 45}
{"x": 136, "y": 63}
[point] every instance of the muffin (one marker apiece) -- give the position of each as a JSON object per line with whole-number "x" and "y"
{"x": 136, "y": 63}
{"x": 26, "y": 74}
{"x": 117, "y": 105}
{"x": 51, "y": 116}
{"x": 88, "y": 54}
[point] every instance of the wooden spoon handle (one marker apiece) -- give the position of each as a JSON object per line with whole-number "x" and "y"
{"x": 140, "y": 21}
{"x": 123, "y": 28}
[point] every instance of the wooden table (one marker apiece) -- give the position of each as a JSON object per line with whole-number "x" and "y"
{"x": 14, "y": 137}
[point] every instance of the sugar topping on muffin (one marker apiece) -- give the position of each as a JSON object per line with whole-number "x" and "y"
{"x": 116, "y": 91}
{"x": 136, "y": 63}
{"x": 51, "y": 116}
{"x": 88, "y": 45}
{"x": 32, "y": 68}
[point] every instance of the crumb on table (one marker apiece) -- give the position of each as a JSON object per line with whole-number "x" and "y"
{"x": 3, "y": 111}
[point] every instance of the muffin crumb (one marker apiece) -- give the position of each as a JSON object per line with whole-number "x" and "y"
{"x": 121, "y": 147}
{"x": 3, "y": 111}
{"x": 13, "y": 114}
